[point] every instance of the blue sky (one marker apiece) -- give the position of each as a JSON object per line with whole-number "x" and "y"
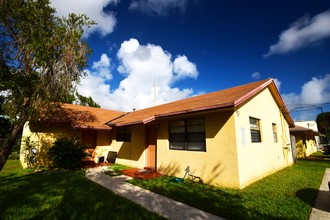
{"x": 147, "y": 52}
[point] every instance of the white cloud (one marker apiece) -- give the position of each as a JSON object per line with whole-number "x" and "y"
{"x": 277, "y": 83}
{"x": 106, "y": 21}
{"x": 148, "y": 70}
{"x": 95, "y": 84}
{"x": 302, "y": 33}
{"x": 316, "y": 91}
{"x": 159, "y": 7}
{"x": 183, "y": 68}
{"x": 256, "y": 75}
{"x": 103, "y": 67}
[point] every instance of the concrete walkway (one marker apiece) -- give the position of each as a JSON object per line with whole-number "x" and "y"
{"x": 161, "y": 205}
{"x": 321, "y": 210}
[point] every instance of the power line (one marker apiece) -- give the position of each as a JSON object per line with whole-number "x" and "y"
{"x": 301, "y": 107}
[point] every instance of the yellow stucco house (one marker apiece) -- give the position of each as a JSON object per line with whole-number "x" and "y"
{"x": 229, "y": 138}
{"x": 305, "y": 140}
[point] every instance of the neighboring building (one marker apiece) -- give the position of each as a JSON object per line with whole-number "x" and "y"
{"x": 85, "y": 123}
{"x": 311, "y": 125}
{"x": 305, "y": 139}
{"x": 230, "y": 138}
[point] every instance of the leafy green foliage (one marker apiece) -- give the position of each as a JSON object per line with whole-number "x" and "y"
{"x": 5, "y": 124}
{"x": 43, "y": 54}
{"x": 60, "y": 195}
{"x": 80, "y": 100}
{"x": 67, "y": 153}
{"x": 86, "y": 101}
{"x": 323, "y": 124}
{"x": 287, "y": 194}
{"x": 42, "y": 57}
{"x": 14, "y": 156}
{"x": 30, "y": 155}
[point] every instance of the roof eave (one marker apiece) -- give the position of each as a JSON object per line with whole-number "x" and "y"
{"x": 160, "y": 116}
{"x": 252, "y": 93}
{"x": 86, "y": 127}
{"x": 279, "y": 99}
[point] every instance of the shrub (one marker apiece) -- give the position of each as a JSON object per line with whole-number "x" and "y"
{"x": 66, "y": 153}
{"x": 30, "y": 151}
{"x": 326, "y": 149}
{"x": 13, "y": 156}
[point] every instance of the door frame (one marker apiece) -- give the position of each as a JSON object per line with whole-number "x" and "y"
{"x": 151, "y": 139}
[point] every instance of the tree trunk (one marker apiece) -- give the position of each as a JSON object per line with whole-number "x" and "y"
{"x": 5, "y": 150}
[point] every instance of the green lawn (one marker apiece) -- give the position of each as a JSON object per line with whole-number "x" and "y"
{"x": 287, "y": 194}
{"x": 60, "y": 195}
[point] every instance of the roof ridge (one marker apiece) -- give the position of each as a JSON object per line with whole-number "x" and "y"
{"x": 226, "y": 98}
{"x": 267, "y": 81}
{"x": 89, "y": 107}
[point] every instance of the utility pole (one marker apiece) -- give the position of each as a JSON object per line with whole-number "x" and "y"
{"x": 155, "y": 93}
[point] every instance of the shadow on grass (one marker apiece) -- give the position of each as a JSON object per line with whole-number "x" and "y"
{"x": 321, "y": 198}
{"x": 226, "y": 203}
{"x": 62, "y": 195}
{"x": 308, "y": 195}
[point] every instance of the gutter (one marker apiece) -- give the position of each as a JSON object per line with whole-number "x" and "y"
{"x": 120, "y": 116}
{"x": 155, "y": 117}
{"x": 92, "y": 128}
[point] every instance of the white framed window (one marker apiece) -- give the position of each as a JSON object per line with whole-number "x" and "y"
{"x": 274, "y": 129}
{"x": 255, "y": 130}
{"x": 187, "y": 134}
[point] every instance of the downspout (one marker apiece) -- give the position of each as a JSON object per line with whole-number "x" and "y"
{"x": 285, "y": 142}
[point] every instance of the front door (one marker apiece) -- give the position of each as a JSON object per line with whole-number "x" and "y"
{"x": 151, "y": 148}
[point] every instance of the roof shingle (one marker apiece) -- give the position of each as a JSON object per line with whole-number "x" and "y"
{"x": 227, "y": 98}
{"x": 82, "y": 117}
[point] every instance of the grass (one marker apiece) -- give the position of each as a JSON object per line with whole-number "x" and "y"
{"x": 60, "y": 195}
{"x": 115, "y": 169}
{"x": 321, "y": 155}
{"x": 287, "y": 194}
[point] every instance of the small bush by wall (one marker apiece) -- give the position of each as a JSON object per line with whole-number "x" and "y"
{"x": 67, "y": 153}
{"x": 13, "y": 156}
{"x": 29, "y": 148}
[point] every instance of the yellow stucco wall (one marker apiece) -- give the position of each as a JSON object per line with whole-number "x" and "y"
{"x": 311, "y": 146}
{"x": 43, "y": 136}
{"x": 218, "y": 165}
{"x": 256, "y": 160}
{"x": 103, "y": 142}
{"x": 305, "y": 144}
{"x": 231, "y": 159}
{"x": 130, "y": 153}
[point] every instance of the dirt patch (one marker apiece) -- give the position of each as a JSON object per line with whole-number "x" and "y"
{"x": 91, "y": 164}
{"x": 140, "y": 173}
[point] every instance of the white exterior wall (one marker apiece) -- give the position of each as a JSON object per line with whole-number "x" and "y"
{"x": 256, "y": 160}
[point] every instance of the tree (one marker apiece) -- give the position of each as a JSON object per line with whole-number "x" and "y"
{"x": 81, "y": 100}
{"x": 5, "y": 124}
{"x": 86, "y": 101}
{"x": 41, "y": 59}
{"x": 323, "y": 124}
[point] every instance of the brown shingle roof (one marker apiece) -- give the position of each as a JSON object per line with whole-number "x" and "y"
{"x": 300, "y": 129}
{"x": 82, "y": 117}
{"x": 228, "y": 98}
